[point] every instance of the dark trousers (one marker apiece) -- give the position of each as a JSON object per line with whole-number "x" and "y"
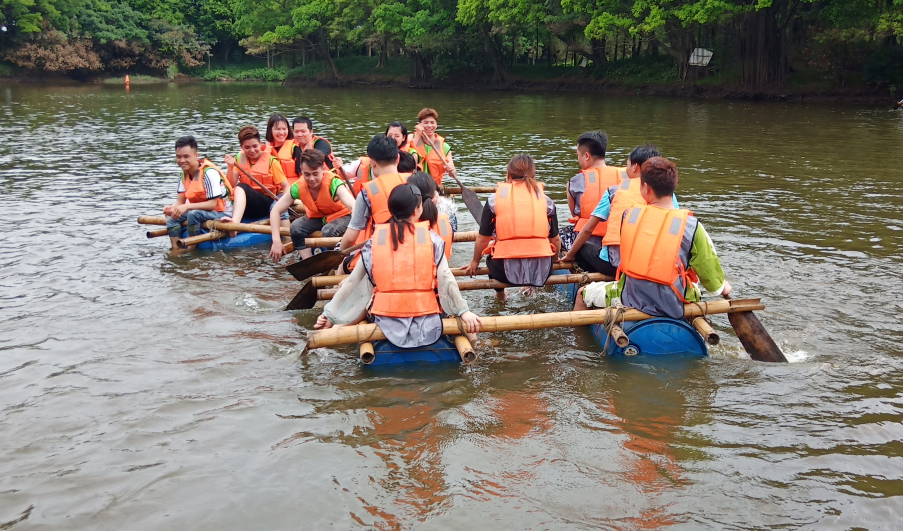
{"x": 588, "y": 260}
{"x": 302, "y": 228}
{"x": 258, "y": 205}
{"x": 497, "y": 272}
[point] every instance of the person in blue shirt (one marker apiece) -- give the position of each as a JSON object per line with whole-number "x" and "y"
{"x": 603, "y": 258}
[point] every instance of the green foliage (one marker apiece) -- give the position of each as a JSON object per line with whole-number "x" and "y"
{"x": 645, "y": 41}
{"x": 244, "y": 74}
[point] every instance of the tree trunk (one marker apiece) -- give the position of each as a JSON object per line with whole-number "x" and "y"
{"x": 597, "y": 54}
{"x": 423, "y": 70}
{"x": 331, "y": 71}
{"x": 502, "y": 75}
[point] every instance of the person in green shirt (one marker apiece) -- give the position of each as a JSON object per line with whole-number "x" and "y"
{"x": 642, "y": 229}
{"x": 327, "y": 201}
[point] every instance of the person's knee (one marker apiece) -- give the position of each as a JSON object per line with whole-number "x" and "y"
{"x": 196, "y": 217}
{"x": 331, "y": 230}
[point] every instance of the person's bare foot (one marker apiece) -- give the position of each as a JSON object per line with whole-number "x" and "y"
{"x": 527, "y": 291}
{"x": 502, "y": 295}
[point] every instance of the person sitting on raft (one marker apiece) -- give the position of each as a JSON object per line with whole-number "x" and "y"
{"x": 372, "y": 204}
{"x": 585, "y": 190}
{"x": 327, "y": 201}
{"x": 362, "y": 169}
{"x": 439, "y": 222}
{"x": 436, "y": 164}
{"x": 204, "y": 194}
{"x": 603, "y": 257}
{"x": 305, "y": 138}
{"x": 281, "y": 144}
{"x": 664, "y": 253}
{"x": 251, "y": 202}
{"x": 407, "y": 275}
{"x": 524, "y": 224}
{"x": 396, "y": 130}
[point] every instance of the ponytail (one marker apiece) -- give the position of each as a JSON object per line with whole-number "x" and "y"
{"x": 522, "y": 168}
{"x": 403, "y": 201}
{"x": 430, "y": 212}
{"x": 397, "y": 228}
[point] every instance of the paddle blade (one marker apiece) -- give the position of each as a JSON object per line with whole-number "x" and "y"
{"x": 316, "y": 264}
{"x": 755, "y": 338}
{"x": 473, "y": 203}
{"x": 305, "y": 299}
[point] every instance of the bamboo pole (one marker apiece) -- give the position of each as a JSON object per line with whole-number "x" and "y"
{"x": 219, "y": 229}
{"x": 152, "y": 220}
{"x": 465, "y": 349}
{"x": 705, "y": 330}
{"x": 620, "y": 338}
{"x": 448, "y": 190}
{"x": 469, "y": 285}
{"x": 157, "y": 233}
{"x": 367, "y": 353}
{"x": 333, "y": 280}
{"x": 468, "y": 236}
{"x": 343, "y": 335}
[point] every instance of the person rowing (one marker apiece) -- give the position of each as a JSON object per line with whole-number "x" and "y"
{"x": 204, "y": 194}
{"x": 603, "y": 258}
{"x": 303, "y": 128}
{"x": 252, "y": 202}
{"x": 664, "y": 253}
{"x": 406, "y": 273}
{"x": 435, "y": 163}
{"x": 440, "y": 223}
{"x": 585, "y": 190}
{"x": 327, "y": 201}
{"x": 371, "y": 206}
{"x": 281, "y": 144}
{"x": 361, "y": 170}
{"x": 518, "y": 230}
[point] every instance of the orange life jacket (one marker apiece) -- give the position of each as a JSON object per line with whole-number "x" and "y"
{"x": 627, "y": 195}
{"x": 260, "y": 171}
{"x": 195, "y": 191}
{"x": 405, "y": 278}
{"x": 324, "y": 205}
{"x": 435, "y": 161}
{"x": 284, "y": 154}
{"x": 378, "y": 191}
{"x": 596, "y": 181}
{"x": 365, "y": 175}
{"x": 444, "y": 229}
{"x": 521, "y": 223}
{"x": 650, "y": 245}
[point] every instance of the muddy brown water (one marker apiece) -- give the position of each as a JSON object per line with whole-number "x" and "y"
{"x": 140, "y": 390}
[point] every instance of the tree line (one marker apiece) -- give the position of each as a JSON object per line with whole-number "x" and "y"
{"x": 756, "y": 43}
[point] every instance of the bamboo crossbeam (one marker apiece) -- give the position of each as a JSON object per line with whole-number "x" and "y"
{"x": 447, "y": 190}
{"x": 157, "y": 233}
{"x": 344, "y": 335}
{"x": 219, "y": 229}
{"x": 467, "y": 236}
{"x": 469, "y": 285}
{"x": 333, "y": 280}
{"x": 152, "y": 220}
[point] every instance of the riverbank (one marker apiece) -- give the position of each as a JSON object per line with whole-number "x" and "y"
{"x": 643, "y": 77}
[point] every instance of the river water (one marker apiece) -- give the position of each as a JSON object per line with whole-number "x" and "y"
{"x": 140, "y": 390}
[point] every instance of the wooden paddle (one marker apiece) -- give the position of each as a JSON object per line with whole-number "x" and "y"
{"x": 471, "y": 201}
{"x": 341, "y": 172}
{"x": 320, "y": 263}
{"x": 754, "y": 338}
{"x": 266, "y": 190}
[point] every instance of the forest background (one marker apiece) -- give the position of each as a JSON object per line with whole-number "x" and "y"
{"x": 757, "y": 45}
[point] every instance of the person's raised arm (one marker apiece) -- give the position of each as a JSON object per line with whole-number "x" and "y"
{"x": 277, "y": 250}
{"x": 231, "y": 174}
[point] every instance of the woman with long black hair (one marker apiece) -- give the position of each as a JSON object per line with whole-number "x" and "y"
{"x": 407, "y": 275}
